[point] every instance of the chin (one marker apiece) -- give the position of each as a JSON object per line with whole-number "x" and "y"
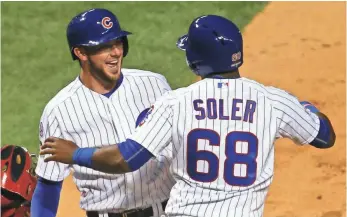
{"x": 113, "y": 75}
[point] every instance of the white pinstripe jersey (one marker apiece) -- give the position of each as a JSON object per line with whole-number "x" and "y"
{"x": 223, "y": 133}
{"x": 90, "y": 119}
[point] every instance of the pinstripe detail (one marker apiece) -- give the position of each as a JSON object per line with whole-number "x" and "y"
{"x": 175, "y": 112}
{"x": 93, "y": 120}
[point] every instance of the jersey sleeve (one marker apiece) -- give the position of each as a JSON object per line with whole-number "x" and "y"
{"x": 292, "y": 119}
{"x": 155, "y": 132}
{"x": 53, "y": 171}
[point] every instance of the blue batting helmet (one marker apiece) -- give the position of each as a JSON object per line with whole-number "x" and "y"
{"x": 213, "y": 44}
{"x": 94, "y": 27}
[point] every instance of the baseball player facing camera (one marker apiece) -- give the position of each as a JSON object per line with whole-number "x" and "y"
{"x": 101, "y": 107}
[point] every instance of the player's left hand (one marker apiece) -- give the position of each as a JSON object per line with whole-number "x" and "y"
{"x": 61, "y": 150}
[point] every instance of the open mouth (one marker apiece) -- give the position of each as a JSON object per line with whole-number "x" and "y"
{"x": 112, "y": 64}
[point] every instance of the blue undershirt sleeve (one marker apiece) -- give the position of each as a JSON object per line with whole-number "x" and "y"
{"x": 326, "y": 136}
{"x": 323, "y": 138}
{"x": 45, "y": 198}
{"x": 134, "y": 154}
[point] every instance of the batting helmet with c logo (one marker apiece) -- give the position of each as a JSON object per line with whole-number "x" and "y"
{"x": 94, "y": 27}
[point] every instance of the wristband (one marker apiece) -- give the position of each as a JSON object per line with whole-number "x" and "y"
{"x": 83, "y": 156}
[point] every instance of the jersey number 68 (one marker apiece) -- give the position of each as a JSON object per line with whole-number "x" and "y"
{"x": 232, "y": 157}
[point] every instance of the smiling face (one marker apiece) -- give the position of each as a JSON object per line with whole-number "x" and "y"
{"x": 103, "y": 61}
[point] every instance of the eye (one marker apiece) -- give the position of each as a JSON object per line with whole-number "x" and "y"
{"x": 104, "y": 47}
{"x": 98, "y": 48}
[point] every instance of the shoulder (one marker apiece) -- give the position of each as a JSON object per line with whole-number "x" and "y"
{"x": 279, "y": 94}
{"x": 61, "y": 96}
{"x": 180, "y": 94}
{"x": 270, "y": 91}
{"x": 138, "y": 74}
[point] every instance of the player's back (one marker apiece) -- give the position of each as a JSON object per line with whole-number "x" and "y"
{"x": 223, "y": 135}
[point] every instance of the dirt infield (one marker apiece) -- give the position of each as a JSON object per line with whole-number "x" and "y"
{"x": 300, "y": 47}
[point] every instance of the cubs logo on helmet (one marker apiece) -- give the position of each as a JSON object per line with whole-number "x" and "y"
{"x": 106, "y": 23}
{"x": 94, "y": 27}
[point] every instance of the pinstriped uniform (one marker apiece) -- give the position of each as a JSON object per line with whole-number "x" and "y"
{"x": 90, "y": 119}
{"x": 232, "y": 123}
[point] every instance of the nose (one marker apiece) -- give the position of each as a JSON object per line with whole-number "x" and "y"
{"x": 117, "y": 50}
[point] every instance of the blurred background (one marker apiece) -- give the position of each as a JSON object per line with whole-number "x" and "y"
{"x": 36, "y": 62}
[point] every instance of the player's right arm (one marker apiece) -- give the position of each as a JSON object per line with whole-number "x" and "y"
{"x": 149, "y": 140}
{"x": 47, "y": 193}
{"x": 301, "y": 121}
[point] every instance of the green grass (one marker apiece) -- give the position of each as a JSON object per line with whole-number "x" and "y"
{"x": 36, "y": 62}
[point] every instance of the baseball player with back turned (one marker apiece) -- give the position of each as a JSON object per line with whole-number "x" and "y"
{"x": 101, "y": 107}
{"x": 222, "y": 130}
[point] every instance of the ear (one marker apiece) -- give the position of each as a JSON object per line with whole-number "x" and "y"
{"x": 80, "y": 53}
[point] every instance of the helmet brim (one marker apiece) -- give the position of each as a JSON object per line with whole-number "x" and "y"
{"x": 106, "y": 39}
{"x": 182, "y": 42}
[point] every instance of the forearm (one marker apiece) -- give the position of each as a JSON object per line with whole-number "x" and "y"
{"x": 45, "y": 198}
{"x": 109, "y": 160}
{"x": 121, "y": 158}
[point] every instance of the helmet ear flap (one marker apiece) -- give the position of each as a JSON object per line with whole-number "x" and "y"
{"x": 192, "y": 66}
{"x": 125, "y": 45}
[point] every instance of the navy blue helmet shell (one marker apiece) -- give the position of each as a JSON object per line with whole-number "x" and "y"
{"x": 94, "y": 27}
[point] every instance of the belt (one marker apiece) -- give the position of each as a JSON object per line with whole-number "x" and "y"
{"x": 147, "y": 212}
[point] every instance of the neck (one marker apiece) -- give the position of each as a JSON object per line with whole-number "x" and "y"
{"x": 228, "y": 75}
{"x": 96, "y": 84}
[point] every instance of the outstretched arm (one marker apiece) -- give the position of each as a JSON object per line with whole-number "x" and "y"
{"x": 109, "y": 160}
{"x": 120, "y": 158}
{"x": 124, "y": 157}
{"x": 326, "y": 135}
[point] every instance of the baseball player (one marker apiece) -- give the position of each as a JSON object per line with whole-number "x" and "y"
{"x": 220, "y": 130}
{"x": 101, "y": 107}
